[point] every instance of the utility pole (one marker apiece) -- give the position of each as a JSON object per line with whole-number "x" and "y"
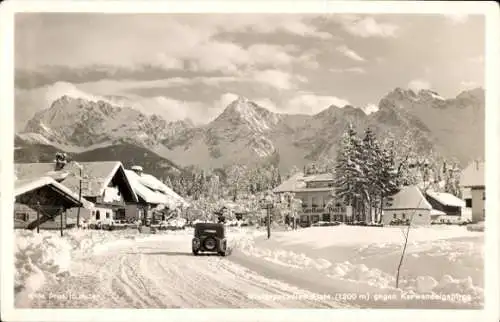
{"x": 61, "y": 215}
{"x": 268, "y": 207}
{"x": 79, "y": 199}
{"x": 38, "y": 217}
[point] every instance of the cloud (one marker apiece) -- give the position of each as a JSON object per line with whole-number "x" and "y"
{"x": 355, "y": 70}
{"x": 222, "y": 57}
{"x": 275, "y": 78}
{"x": 231, "y": 58}
{"x": 370, "y": 108}
{"x": 367, "y": 27}
{"x": 164, "y": 40}
{"x": 419, "y": 84}
{"x": 167, "y": 62}
{"x": 265, "y": 53}
{"x": 55, "y": 91}
{"x": 267, "y": 104}
{"x": 309, "y": 59}
{"x": 308, "y": 103}
{"x": 227, "y": 98}
{"x": 346, "y": 51}
{"x": 294, "y": 24}
{"x": 469, "y": 84}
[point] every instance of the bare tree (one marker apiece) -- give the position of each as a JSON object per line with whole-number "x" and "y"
{"x": 406, "y": 234}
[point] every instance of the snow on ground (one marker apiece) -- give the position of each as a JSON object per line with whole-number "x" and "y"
{"x": 439, "y": 260}
{"x": 38, "y": 257}
{"x": 123, "y": 269}
{"x": 476, "y": 227}
{"x": 92, "y": 268}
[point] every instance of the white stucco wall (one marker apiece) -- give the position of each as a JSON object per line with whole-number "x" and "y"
{"x": 111, "y": 194}
{"x": 477, "y": 204}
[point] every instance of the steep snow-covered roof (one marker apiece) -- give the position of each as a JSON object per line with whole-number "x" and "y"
{"x": 96, "y": 175}
{"x": 435, "y": 212}
{"x": 409, "y": 197}
{"x": 446, "y": 199}
{"x": 26, "y": 185}
{"x": 292, "y": 184}
{"x": 153, "y": 190}
{"x": 319, "y": 177}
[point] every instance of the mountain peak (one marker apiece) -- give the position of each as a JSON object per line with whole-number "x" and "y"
{"x": 241, "y": 105}
{"x": 428, "y": 94}
{"x": 477, "y": 92}
{"x": 399, "y": 94}
{"x": 244, "y": 111}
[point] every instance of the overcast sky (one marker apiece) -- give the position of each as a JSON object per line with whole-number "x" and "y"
{"x": 192, "y": 65}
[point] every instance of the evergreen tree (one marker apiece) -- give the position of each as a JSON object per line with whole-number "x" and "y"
{"x": 389, "y": 180}
{"x": 371, "y": 164}
{"x": 168, "y": 182}
{"x": 348, "y": 174}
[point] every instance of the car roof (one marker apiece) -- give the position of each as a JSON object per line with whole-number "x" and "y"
{"x": 208, "y": 225}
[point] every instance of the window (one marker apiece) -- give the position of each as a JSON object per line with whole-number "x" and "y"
{"x": 484, "y": 195}
{"x": 314, "y": 202}
{"x": 107, "y": 215}
{"x": 22, "y": 216}
{"x": 394, "y": 216}
{"x": 120, "y": 214}
{"x": 468, "y": 203}
{"x": 403, "y": 216}
{"x": 97, "y": 215}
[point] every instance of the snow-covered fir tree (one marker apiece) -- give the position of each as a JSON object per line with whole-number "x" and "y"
{"x": 371, "y": 163}
{"x": 349, "y": 178}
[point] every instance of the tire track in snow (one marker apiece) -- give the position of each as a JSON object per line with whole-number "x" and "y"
{"x": 161, "y": 275}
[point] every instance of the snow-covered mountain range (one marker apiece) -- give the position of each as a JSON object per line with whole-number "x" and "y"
{"x": 246, "y": 132}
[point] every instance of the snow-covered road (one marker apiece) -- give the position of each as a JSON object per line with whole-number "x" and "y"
{"x": 310, "y": 268}
{"x": 156, "y": 273}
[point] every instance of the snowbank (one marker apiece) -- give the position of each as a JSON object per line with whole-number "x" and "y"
{"x": 476, "y": 227}
{"x": 47, "y": 254}
{"x": 321, "y": 237}
{"x": 38, "y": 257}
{"x": 353, "y": 266}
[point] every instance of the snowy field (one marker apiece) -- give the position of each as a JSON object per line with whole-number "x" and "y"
{"x": 341, "y": 266}
{"x": 445, "y": 261}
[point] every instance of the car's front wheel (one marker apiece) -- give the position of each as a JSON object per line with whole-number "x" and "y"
{"x": 222, "y": 253}
{"x": 195, "y": 252}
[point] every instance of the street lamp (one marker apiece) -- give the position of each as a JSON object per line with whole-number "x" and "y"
{"x": 79, "y": 166}
{"x": 268, "y": 204}
{"x": 296, "y": 204}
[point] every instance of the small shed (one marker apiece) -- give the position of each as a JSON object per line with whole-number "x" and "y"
{"x": 409, "y": 204}
{"x": 46, "y": 196}
{"x": 445, "y": 202}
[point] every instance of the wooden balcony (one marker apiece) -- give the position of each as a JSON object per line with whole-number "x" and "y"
{"x": 314, "y": 210}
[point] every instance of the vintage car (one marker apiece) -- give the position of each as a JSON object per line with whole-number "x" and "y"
{"x": 209, "y": 237}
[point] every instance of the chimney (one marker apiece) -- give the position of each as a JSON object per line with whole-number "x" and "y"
{"x": 61, "y": 161}
{"x": 137, "y": 169}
